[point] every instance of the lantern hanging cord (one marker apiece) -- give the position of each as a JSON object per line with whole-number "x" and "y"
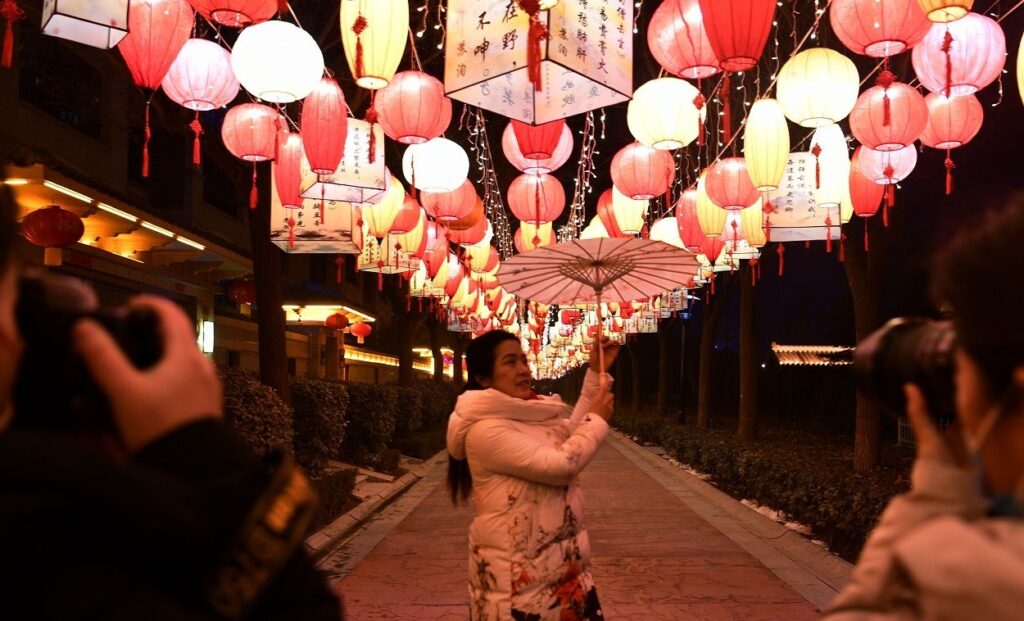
{"x": 415, "y": 55}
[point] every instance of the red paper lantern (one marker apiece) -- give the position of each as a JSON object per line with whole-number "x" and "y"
{"x": 738, "y": 30}
{"x": 536, "y": 167}
{"x": 412, "y": 108}
{"x": 242, "y": 291}
{"x": 729, "y": 186}
{"x": 641, "y": 173}
{"x": 606, "y": 215}
{"x": 470, "y": 220}
{"x": 951, "y": 123}
{"x": 435, "y": 256}
{"x": 451, "y": 206}
{"x": 690, "y": 232}
{"x": 961, "y": 57}
{"x": 408, "y": 216}
{"x": 236, "y": 13}
{"x": 865, "y": 194}
{"x": 536, "y": 198}
{"x": 889, "y": 116}
{"x": 337, "y": 321}
{"x": 570, "y": 315}
{"x": 471, "y": 236}
{"x": 250, "y": 132}
{"x": 678, "y": 41}
{"x": 52, "y": 228}
{"x": 713, "y": 249}
{"x": 324, "y": 126}
{"x": 538, "y": 142}
{"x": 878, "y": 28}
{"x": 360, "y": 330}
{"x": 288, "y": 169}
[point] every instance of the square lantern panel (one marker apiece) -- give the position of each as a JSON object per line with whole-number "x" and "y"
{"x": 99, "y": 23}
{"x": 333, "y": 235}
{"x": 795, "y": 215}
{"x": 384, "y": 257}
{"x": 587, "y": 60}
{"x": 356, "y": 180}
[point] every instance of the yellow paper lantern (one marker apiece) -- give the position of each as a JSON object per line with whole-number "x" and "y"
{"x": 667, "y": 230}
{"x": 594, "y": 230}
{"x": 710, "y": 216}
{"x": 752, "y": 225}
{"x": 946, "y": 10}
{"x": 662, "y": 114}
{"x": 818, "y": 87}
{"x": 766, "y": 144}
{"x": 833, "y": 164}
{"x": 378, "y": 218}
{"x": 375, "y": 49}
{"x": 1020, "y": 69}
{"x": 629, "y": 214}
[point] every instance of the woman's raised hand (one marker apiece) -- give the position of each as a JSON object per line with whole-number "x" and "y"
{"x": 604, "y": 402}
{"x": 611, "y": 351}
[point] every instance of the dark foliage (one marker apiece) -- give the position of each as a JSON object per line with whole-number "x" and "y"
{"x": 320, "y": 408}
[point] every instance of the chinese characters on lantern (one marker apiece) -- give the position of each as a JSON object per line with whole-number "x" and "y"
{"x": 794, "y": 214}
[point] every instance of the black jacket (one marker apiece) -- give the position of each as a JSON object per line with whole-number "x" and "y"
{"x": 84, "y": 537}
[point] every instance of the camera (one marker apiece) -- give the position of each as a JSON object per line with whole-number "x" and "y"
{"x": 54, "y": 389}
{"x": 909, "y": 350}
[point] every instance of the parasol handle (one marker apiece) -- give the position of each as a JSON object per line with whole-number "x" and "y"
{"x": 598, "y": 343}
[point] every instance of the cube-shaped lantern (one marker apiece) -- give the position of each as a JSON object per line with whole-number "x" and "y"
{"x": 312, "y": 235}
{"x": 385, "y": 257}
{"x": 357, "y": 179}
{"x": 586, "y": 60}
{"x": 794, "y": 214}
{"x": 99, "y": 23}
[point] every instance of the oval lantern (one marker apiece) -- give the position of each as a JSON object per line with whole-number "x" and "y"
{"x": 878, "y": 29}
{"x": 470, "y": 220}
{"x": 538, "y": 142}
{"x": 690, "y": 231}
{"x": 412, "y": 108}
{"x": 157, "y": 30}
{"x": 407, "y": 217}
{"x": 710, "y": 216}
{"x": 832, "y": 169}
{"x": 606, "y": 218}
{"x": 818, "y": 87}
{"x": 766, "y": 144}
{"x": 667, "y": 230}
{"x": 536, "y": 198}
{"x": 976, "y": 55}
{"x": 242, "y": 291}
{"x": 889, "y": 116}
{"x": 536, "y": 167}
{"x": 337, "y": 321}
{"x": 324, "y": 126}
{"x": 380, "y": 216}
{"x": 453, "y": 205}
{"x": 946, "y": 10}
{"x": 277, "y": 61}
{"x": 361, "y": 331}
{"x": 288, "y": 169}
{"x": 236, "y": 13}
{"x": 952, "y": 123}
{"x": 865, "y": 194}
{"x": 438, "y": 165}
{"x": 200, "y": 78}
{"x": 678, "y": 41}
{"x": 52, "y": 228}
{"x": 728, "y": 184}
{"x": 250, "y": 131}
{"x": 373, "y": 34}
{"x": 630, "y": 215}
{"x": 476, "y": 234}
{"x": 752, "y": 225}
{"x": 641, "y": 172}
{"x": 738, "y": 30}
{"x": 658, "y": 117}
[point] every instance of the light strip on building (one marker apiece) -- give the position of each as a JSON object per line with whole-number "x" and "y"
{"x": 117, "y": 212}
{"x": 67, "y": 191}
{"x": 14, "y": 181}
{"x": 157, "y": 229}
{"x": 189, "y": 242}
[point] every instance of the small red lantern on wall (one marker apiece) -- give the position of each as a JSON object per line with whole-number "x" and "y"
{"x": 337, "y": 321}
{"x": 52, "y": 228}
{"x": 360, "y": 330}
{"x": 242, "y": 291}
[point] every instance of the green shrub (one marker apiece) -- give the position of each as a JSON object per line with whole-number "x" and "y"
{"x": 438, "y": 402}
{"x": 422, "y": 445}
{"x": 334, "y": 491}
{"x": 255, "y": 411}
{"x": 409, "y": 416}
{"x": 319, "y": 421}
{"x": 371, "y": 422}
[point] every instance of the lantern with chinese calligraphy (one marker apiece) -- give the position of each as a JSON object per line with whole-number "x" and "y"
{"x": 728, "y": 184}
{"x": 641, "y": 172}
{"x": 553, "y": 64}
{"x": 657, "y": 117}
{"x": 878, "y": 29}
{"x": 236, "y": 13}
{"x": 889, "y": 116}
{"x": 438, "y": 165}
{"x": 361, "y": 331}
{"x": 324, "y": 127}
{"x": 537, "y": 167}
{"x": 738, "y": 30}
{"x": 100, "y": 23}
{"x": 961, "y": 57}
{"x": 359, "y": 178}
{"x": 766, "y": 144}
{"x": 374, "y": 33}
{"x": 412, "y": 108}
{"x": 52, "y": 228}
{"x": 678, "y": 41}
{"x": 453, "y": 205}
{"x": 538, "y": 142}
{"x": 952, "y": 123}
{"x": 946, "y": 10}
{"x": 536, "y": 198}
{"x": 710, "y": 216}
{"x": 277, "y": 61}
{"x": 818, "y": 87}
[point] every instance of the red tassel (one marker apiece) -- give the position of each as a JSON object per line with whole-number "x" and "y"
{"x": 371, "y": 118}
{"x": 282, "y": 6}
{"x": 10, "y": 11}
{"x": 807, "y": 244}
{"x": 197, "y": 129}
{"x": 358, "y": 27}
{"x": 842, "y": 247}
{"x": 254, "y": 193}
{"x": 890, "y": 195}
{"x": 537, "y": 33}
{"x": 698, "y": 103}
{"x": 723, "y": 96}
{"x": 781, "y": 251}
{"x": 768, "y": 228}
{"x": 867, "y": 237}
{"x": 947, "y": 45}
{"x": 712, "y": 284}
{"x": 816, "y": 151}
{"x": 322, "y": 201}
{"x": 949, "y": 173}
{"x": 380, "y": 275}
{"x": 419, "y": 304}
{"x": 885, "y": 215}
{"x": 339, "y": 274}
{"x": 147, "y": 134}
{"x": 408, "y": 303}
{"x": 885, "y": 80}
{"x": 753, "y": 272}
{"x": 291, "y": 233}
{"x": 828, "y": 234}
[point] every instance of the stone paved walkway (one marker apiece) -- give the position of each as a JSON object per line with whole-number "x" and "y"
{"x": 654, "y": 558}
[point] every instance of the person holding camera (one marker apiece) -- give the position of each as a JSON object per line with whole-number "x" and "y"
{"x": 165, "y": 514}
{"x": 953, "y": 547}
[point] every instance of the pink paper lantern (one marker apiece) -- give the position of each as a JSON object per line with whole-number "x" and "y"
{"x": 729, "y": 186}
{"x": 961, "y": 57}
{"x": 690, "y": 233}
{"x": 887, "y": 168}
{"x": 878, "y": 28}
{"x": 538, "y": 142}
{"x": 200, "y": 78}
{"x": 412, "y": 108}
{"x": 889, "y": 116}
{"x": 324, "y": 126}
{"x": 738, "y": 30}
{"x": 250, "y": 131}
{"x": 952, "y": 123}
{"x": 678, "y": 41}
{"x": 536, "y": 198}
{"x": 236, "y": 13}
{"x": 536, "y": 167}
{"x": 451, "y": 206}
{"x": 641, "y": 173}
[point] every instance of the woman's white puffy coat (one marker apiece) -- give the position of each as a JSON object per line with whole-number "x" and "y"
{"x": 528, "y": 549}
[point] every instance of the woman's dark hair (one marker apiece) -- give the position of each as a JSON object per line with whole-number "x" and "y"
{"x": 8, "y": 225}
{"x": 978, "y": 276}
{"x": 479, "y": 363}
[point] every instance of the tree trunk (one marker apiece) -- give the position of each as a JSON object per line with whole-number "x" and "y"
{"x": 634, "y": 359}
{"x": 436, "y": 336}
{"x": 707, "y": 342}
{"x": 865, "y": 272}
{"x": 458, "y": 349}
{"x": 332, "y": 344}
{"x": 406, "y": 328}
{"x": 313, "y": 370}
{"x": 748, "y": 357}
{"x": 269, "y": 273}
{"x": 664, "y": 362}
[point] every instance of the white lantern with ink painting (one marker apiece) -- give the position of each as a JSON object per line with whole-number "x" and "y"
{"x": 359, "y": 177}
{"x": 321, "y": 227}
{"x": 585, "y": 63}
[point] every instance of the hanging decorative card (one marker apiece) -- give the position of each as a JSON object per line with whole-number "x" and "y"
{"x": 385, "y": 258}
{"x": 357, "y": 179}
{"x": 795, "y": 216}
{"x": 586, "y": 60}
{"x": 311, "y": 235}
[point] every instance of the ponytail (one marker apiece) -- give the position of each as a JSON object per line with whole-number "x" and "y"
{"x": 460, "y": 480}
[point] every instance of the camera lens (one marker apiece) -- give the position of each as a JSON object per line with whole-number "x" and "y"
{"x": 909, "y": 350}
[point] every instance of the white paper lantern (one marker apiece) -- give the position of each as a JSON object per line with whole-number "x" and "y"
{"x": 98, "y": 23}
{"x": 438, "y": 165}
{"x": 818, "y": 87}
{"x": 662, "y": 114}
{"x": 277, "y": 61}
{"x": 833, "y": 165}
{"x": 667, "y": 230}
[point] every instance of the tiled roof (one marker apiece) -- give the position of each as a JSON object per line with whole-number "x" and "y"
{"x": 812, "y": 355}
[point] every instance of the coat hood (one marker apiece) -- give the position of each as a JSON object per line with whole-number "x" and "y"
{"x": 476, "y": 405}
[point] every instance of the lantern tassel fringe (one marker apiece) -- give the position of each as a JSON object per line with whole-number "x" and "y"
{"x": 949, "y": 173}
{"x": 254, "y": 192}
{"x": 197, "y": 130}
{"x": 10, "y": 11}
{"x": 781, "y": 251}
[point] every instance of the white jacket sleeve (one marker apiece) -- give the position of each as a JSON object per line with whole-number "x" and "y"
{"x": 499, "y": 447}
{"x": 591, "y": 384}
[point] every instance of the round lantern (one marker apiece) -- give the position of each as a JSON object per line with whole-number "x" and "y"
{"x": 641, "y": 172}
{"x": 766, "y": 144}
{"x": 889, "y": 116}
{"x": 710, "y": 216}
{"x": 380, "y": 216}
{"x": 887, "y": 167}
{"x": 537, "y": 167}
{"x": 288, "y": 169}
{"x": 595, "y": 228}
{"x": 976, "y": 54}
{"x": 529, "y": 237}
{"x": 738, "y": 30}
{"x": 360, "y": 330}
{"x": 536, "y": 198}
{"x": 689, "y": 226}
{"x": 482, "y": 258}
{"x": 678, "y": 41}
{"x": 200, "y": 78}
{"x": 373, "y": 33}
{"x": 438, "y": 165}
{"x": 1020, "y": 69}
{"x": 412, "y": 108}
{"x": 407, "y": 217}
{"x": 878, "y": 28}
{"x": 337, "y": 321}
{"x": 946, "y": 10}
{"x": 629, "y": 214}
{"x": 752, "y": 225}
{"x": 658, "y": 116}
{"x": 250, "y": 131}
{"x": 277, "y": 61}
{"x": 324, "y": 126}
{"x": 818, "y": 87}
{"x": 450, "y": 206}
{"x": 667, "y": 230}
{"x": 865, "y": 194}
{"x": 480, "y": 233}
{"x": 538, "y": 142}
{"x": 470, "y": 220}
{"x": 236, "y": 13}
{"x": 242, "y": 291}
{"x": 157, "y": 30}
{"x": 728, "y": 184}
{"x": 52, "y": 228}
{"x": 951, "y": 122}
{"x": 832, "y": 168}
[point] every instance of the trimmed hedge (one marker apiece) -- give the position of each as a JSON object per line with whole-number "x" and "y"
{"x": 423, "y": 445}
{"x": 409, "y": 416}
{"x": 438, "y": 403}
{"x": 371, "y": 422}
{"x": 320, "y": 408}
{"x": 334, "y": 491}
{"x": 255, "y": 411}
{"x": 809, "y": 479}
